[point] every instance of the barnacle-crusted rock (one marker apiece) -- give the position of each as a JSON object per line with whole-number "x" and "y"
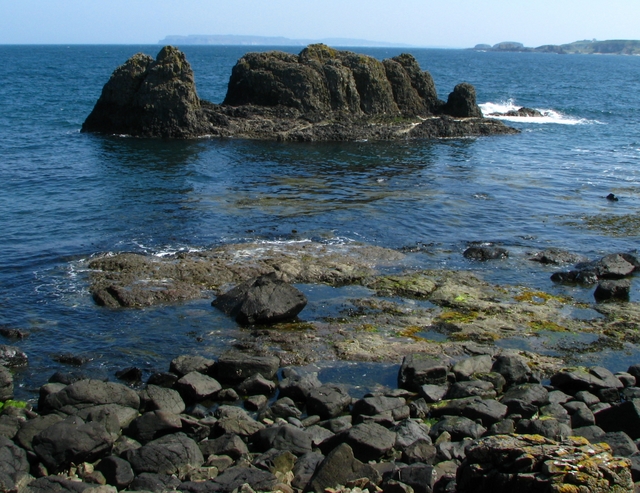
{"x": 532, "y": 463}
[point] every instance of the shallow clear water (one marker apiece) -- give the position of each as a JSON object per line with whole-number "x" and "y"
{"x": 66, "y": 196}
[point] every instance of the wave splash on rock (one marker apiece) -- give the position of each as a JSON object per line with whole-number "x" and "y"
{"x": 320, "y": 94}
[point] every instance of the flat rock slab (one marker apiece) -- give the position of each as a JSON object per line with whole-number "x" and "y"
{"x": 262, "y": 300}
{"x": 503, "y": 464}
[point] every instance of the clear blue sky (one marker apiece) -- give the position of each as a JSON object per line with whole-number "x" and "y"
{"x": 450, "y": 23}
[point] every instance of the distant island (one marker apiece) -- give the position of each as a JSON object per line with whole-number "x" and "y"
{"x": 585, "y": 47}
{"x": 240, "y": 40}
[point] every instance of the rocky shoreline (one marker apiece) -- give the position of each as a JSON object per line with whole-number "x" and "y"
{"x": 465, "y": 416}
{"x": 322, "y": 94}
{"x": 241, "y": 424}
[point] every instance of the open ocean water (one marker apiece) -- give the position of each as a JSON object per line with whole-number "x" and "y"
{"x": 67, "y": 196}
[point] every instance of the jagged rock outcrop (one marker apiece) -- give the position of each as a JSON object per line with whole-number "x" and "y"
{"x": 320, "y": 94}
{"x": 150, "y": 98}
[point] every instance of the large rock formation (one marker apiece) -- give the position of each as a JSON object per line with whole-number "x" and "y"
{"x": 320, "y": 94}
{"x": 150, "y": 98}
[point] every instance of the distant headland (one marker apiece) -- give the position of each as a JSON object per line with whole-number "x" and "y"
{"x": 585, "y": 47}
{"x": 242, "y": 40}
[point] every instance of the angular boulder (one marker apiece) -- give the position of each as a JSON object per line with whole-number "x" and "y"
{"x": 71, "y": 441}
{"x": 262, "y": 300}
{"x": 166, "y": 455}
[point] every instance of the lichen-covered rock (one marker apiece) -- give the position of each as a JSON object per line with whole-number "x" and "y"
{"x": 531, "y": 463}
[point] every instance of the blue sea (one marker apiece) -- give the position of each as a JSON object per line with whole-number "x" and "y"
{"x": 67, "y": 196}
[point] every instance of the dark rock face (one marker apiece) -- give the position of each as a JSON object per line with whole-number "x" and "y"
{"x": 14, "y": 467}
{"x": 71, "y": 440}
{"x": 263, "y": 300}
{"x": 462, "y": 102}
{"x": 485, "y": 253}
{"x": 150, "y": 98}
{"x": 323, "y": 80}
{"x": 320, "y": 94}
{"x": 6, "y": 384}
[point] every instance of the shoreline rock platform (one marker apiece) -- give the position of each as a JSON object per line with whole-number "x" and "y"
{"x": 399, "y": 310}
{"x": 322, "y": 94}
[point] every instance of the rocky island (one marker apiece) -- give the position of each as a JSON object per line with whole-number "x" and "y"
{"x": 322, "y": 94}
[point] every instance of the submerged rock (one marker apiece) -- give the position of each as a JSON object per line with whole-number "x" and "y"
{"x": 320, "y": 94}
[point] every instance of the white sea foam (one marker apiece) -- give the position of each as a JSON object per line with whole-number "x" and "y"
{"x": 548, "y": 115}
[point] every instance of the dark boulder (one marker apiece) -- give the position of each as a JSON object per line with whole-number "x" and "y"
{"x": 613, "y": 290}
{"x": 156, "y": 398}
{"x": 86, "y": 393}
{"x": 187, "y": 363}
{"x": 234, "y": 367}
{"x": 522, "y": 112}
{"x": 370, "y": 441}
{"x": 235, "y": 420}
{"x": 420, "y": 477}
{"x": 228, "y": 444}
{"x": 166, "y": 455}
{"x": 14, "y": 467}
{"x": 154, "y": 424}
{"x": 339, "y": 467}
{"x": 458, "y": 427}
{"x": 117, "y": 471}
{"x": 485, "y": 253}
{"x": 621, "y": 417}
{"x": 512, "y": 367}
{"x": 296, "y": 384}
{"x": 71, "y": 441}
{"x": 262, "y": 300}
{"x": 462, "y": 102}
{"x": 195, "y": 387}
{"x": 556, "y": 256}
{"x": 233, "y": 478}
{"x": 328, "y": 401}
{"x": 6, "y": 384}
{"x": 422, "y": 369}
{"x": 285, "y": 437}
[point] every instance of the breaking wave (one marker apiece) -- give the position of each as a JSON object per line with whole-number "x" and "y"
{"x": 498, "y": 110}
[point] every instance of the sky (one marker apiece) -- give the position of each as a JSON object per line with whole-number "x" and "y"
{"x": 424, "y": 23}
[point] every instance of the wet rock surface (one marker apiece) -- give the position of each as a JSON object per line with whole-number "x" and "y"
{"x": 320, "y": 94}
{"x": 521, "y": 435}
